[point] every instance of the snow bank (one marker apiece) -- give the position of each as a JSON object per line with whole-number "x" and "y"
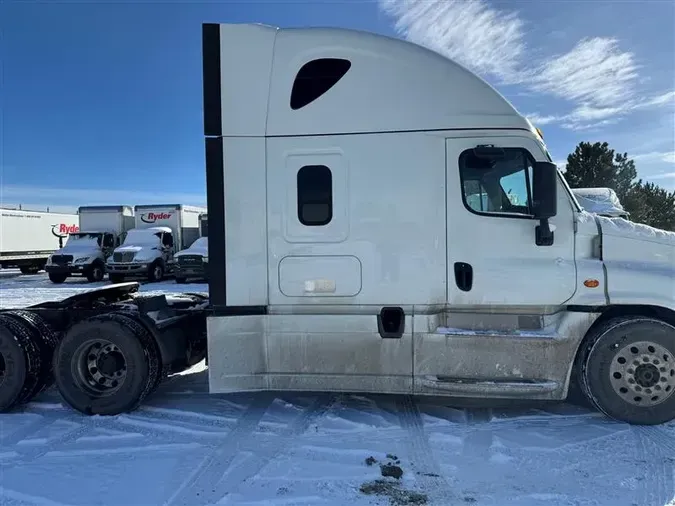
{"x": 623, "y": 228}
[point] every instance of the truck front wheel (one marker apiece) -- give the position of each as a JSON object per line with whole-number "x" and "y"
{"x": 106, "y": 365}
{"x": 57, "y": 278}
{"x": 29, "y": 269}
{"x": 626, "y": 369}
{"x": 156, "y": 272}
{"x": 95, "y": 273}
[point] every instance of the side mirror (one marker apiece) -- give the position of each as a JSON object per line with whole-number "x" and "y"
{"x": 544, "y": 190}
{"x": 544, "y": 199}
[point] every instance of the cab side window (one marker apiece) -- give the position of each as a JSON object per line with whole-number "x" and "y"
{"x": 167, "y": 240}
{"x": 497, "y": 185}
{"x": 108, "y": 241}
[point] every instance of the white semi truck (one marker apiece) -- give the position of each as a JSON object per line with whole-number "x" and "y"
{"x": 148, "y": 250}
{"x": 27, "y": 238}
{"x": 101, "y": 230}
{"x": 344, "y": 254}
{"x": 601, "y": 201}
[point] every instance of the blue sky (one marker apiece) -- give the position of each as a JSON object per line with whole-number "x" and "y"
{"x": 101, "y": 101}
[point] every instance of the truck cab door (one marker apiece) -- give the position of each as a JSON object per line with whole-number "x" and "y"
{"x": 494, "y": 261}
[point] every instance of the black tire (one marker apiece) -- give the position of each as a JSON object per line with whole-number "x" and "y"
{"x": 116, "y": 278}
{"x": 45, "y": 341}
{"x": 141, "y": 362}
{"x": 626, "y": 369}
{"x": 57, "y": 278}
{"x": 96, "y": 273}
{"x": 29, "y": 269}
{"x": 181, "y": 281}
{"x": 21, "y": 361}
{"x": 156, "y": 271}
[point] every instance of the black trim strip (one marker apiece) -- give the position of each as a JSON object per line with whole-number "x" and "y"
{"x": 378, "y": 132}
{"x": 215, "y": 201}
{"x": 237, "y": 310}
{"x": 5, "y": 254}
{"x": 585, "y": 309}
{"x": 104, "y": 208}
{"x": 213, "y": 124}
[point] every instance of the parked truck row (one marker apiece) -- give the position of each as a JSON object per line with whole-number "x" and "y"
{"x": 413, "y": 240}
{"x": 126, "y": 242}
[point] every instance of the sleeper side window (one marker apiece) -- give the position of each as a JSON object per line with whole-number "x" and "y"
{"x": 315, "y": 195}
{"x": 315, "y": 78}
{"x": 497, "y": 185}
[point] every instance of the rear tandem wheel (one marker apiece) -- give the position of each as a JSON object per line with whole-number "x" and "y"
{"x": 27, "y": 344}
{"x": 107, "y": 364}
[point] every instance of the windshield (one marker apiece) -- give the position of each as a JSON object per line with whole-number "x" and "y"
{"x": 84, "y": 239}
{"x": 135, "y": 237}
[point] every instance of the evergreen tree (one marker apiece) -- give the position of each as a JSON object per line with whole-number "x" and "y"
{"x": 597, "y": 165}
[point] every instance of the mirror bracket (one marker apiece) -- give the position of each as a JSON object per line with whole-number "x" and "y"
{"x": 544, "y": 236}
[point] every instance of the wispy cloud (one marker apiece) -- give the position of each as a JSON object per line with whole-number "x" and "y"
{"x": 12, "y": 195}
{"x": 656, "y": 156}
{"x": 665, "y": 175}
{"x": 595, "y": 73}
{"x": 597, "y": 78}
{"x": 483, "y": 39}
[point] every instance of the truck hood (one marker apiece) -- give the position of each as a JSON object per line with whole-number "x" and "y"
{"x": 640, "y": 262}
{"x": 193, "y": 250}
{"x": 77, "y": 250}
{"x": 133, "y": 248}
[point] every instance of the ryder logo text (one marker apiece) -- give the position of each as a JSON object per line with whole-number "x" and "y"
{"x": 63, "y": 230}
{"x": 154, "y": 217}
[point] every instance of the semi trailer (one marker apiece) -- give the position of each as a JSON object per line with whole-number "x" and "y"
{"x": 28, "y": 238}
{"x": 160, "y": 231}
{"x": 101, "y": 230}
{"x": 346, "y": 255}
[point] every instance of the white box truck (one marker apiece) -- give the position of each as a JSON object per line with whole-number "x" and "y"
{"x": 345, "y": 254}
{"x": 102, "y": 229}
{"x": 27, "y": 238}
{"x": 160, "y": 231}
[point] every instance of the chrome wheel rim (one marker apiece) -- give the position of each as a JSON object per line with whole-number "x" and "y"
{"x": 643, "y": 374}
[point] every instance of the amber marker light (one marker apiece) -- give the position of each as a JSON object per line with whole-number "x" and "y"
{"x": 591, "y": 283}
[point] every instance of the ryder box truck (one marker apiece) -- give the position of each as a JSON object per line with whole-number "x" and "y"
{"x": 160, "y": 231}
{"x": 345, "y": 252}
{"x": 85, "y": 254}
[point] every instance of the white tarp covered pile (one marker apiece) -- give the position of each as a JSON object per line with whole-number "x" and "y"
{"x": 602, "y": 201}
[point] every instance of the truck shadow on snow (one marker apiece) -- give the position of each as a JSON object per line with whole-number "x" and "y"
{"x": 402, "y": 450}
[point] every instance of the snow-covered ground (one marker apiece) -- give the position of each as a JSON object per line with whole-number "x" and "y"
{"x": 184, "y": 447}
